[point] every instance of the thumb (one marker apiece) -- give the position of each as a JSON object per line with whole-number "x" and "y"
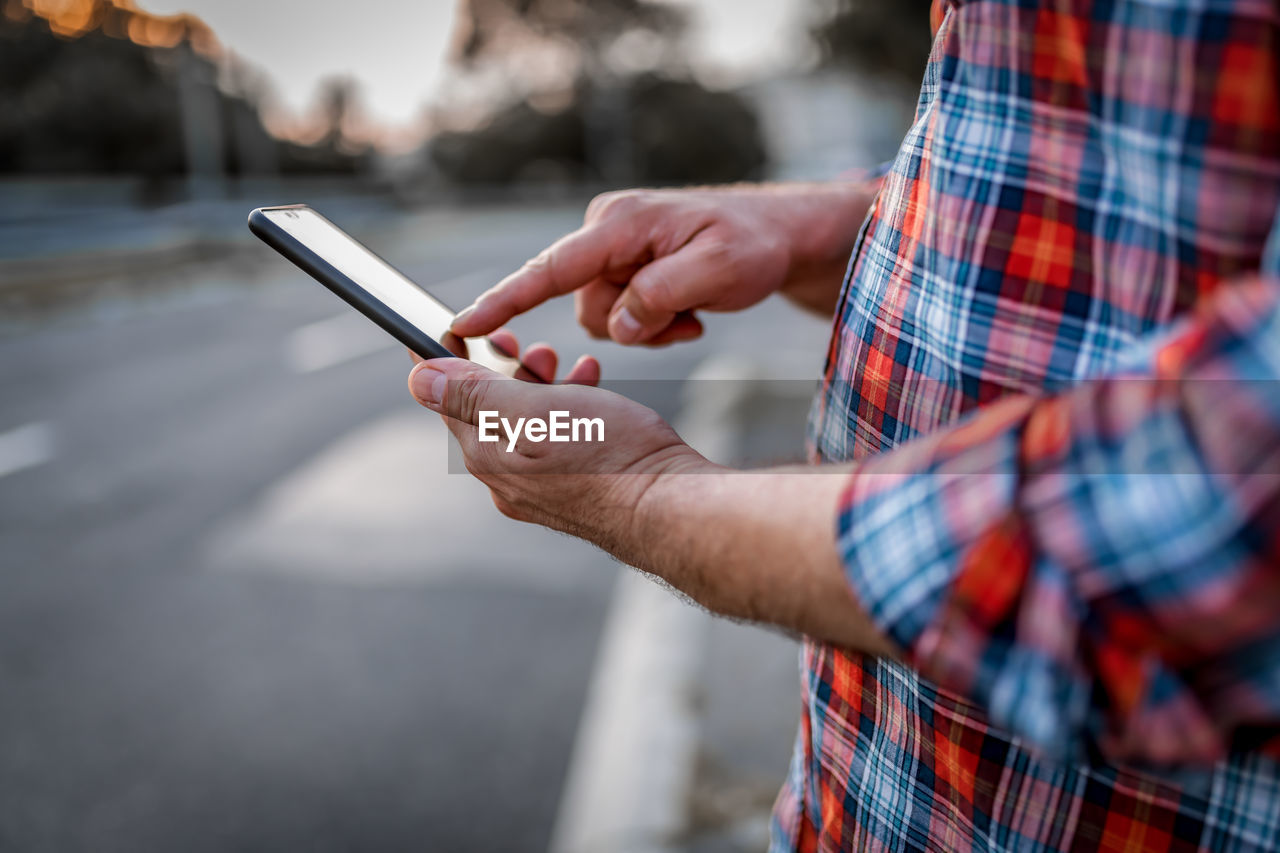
{"x": 460, "y": 389}
{"x": 664, "y": 288}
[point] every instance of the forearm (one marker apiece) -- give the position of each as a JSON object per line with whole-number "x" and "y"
{"x": 758, "y": 546}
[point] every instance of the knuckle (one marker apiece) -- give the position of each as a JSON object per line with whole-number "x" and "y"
{"x": 466, "y": 396}
{"x": 597, "y": 206}
{"x": 619, "y": 203}
{"x": 540, "y": 262}
{"x": 720, "y": 252}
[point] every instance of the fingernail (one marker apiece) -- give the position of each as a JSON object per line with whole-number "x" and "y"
{"x": 428, "y": 385}
{"x": 624, "y": 327}
{"x": 463, "y": 315}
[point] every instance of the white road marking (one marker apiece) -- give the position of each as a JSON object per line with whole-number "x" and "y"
{"x": 328, "y": 343}
{"x": 379, "y": 508}
{"x": 25, "y": 447}
{"x": 632, "y": 768}
{"x": 348, "y": 336}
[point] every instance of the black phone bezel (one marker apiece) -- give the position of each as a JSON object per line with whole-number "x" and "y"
{"x": 342, "y": 285}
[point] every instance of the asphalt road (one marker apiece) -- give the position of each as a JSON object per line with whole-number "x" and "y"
{"x": 243, "y": 605}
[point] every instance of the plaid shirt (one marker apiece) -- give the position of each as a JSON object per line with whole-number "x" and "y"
{"x": 1070, "y": 258}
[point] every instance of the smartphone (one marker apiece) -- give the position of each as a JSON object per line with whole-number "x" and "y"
{"x": 372, "y": 286}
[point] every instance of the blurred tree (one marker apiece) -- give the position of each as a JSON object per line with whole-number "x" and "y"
{"x": 686, "y": 134}
{"x": 93, "y": 104}
{"x": 517, "y": 142}
{"x": 588, "y": 29}
{"x": 338, "y": 99}
{"x": 98, "y": 86}
{"x": 682, "y": 133}
{"x": 628, "y": 109}
{"x": 874, "y": 36}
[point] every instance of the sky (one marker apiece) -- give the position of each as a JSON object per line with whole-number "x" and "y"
{"x": 396, "y": 48}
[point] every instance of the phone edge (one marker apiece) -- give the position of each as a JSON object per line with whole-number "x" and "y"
{"x": 342, "y": 285}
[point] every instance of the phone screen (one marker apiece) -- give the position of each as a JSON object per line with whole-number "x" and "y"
{"x": 384, "y": 283}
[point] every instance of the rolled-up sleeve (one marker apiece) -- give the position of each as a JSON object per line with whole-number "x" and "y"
{"x": 1098, "y": 570}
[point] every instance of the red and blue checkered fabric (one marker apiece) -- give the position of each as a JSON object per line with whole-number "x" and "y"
{"x": 1057, "y": 354}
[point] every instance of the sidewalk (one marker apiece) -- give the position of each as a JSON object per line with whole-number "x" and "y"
{"x": 690, "y": 721}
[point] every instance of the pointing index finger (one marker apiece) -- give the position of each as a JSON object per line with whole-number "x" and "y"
{"x": 571, "y": 262}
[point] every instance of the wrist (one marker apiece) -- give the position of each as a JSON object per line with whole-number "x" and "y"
{"x": 665, "y": 518}
{"x": 820, "y": 221}
{"x": 758, "y": 546}
{"x": 818, "y": 225}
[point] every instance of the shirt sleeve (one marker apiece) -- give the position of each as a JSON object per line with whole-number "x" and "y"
{"x": 1099, "y": 570}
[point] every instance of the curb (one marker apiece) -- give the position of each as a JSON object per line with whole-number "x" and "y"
{"x": 633, "y": 765}
{"x": 633, "y": 762}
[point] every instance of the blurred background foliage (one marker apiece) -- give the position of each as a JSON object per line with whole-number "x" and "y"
{"x": 874, "y": 37}
{"x": 575, "y": 92}
{"x": 613, "y": 118}
{"x": 672, "y": 131}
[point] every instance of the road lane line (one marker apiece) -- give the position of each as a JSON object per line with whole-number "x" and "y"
{"x": 337, "y": 340}
{"x": 348, "y": 336}
{"x": 364, "y": 511}
{"x": 25, "y": 447}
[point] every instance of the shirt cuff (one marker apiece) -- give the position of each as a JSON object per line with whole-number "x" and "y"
{"x": 900, "y": 533}
{"x": 911, "y": 519}
{"x": 941, "y": 559}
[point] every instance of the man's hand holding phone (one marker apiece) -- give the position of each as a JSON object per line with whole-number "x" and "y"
{"x": 590, "y": 489}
